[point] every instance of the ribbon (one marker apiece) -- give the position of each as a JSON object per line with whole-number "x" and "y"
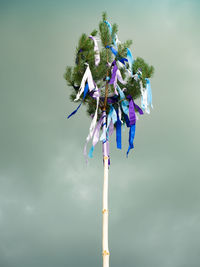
{"x": 110, "y": 29}
{"x": 120, "y": 59}
{"x": 96, "y": 94}
{"x": 112, "y": 116}
{"x": 131, "y": 138}
{"x": 130, "y": 60}
{"x": 112, "y": 50}
{"x": 84, "y": 95}
{"x": 132, "y": 116}
{"x": 124, "y": 103}
{"x": 109, "y": 26}
{"x": 95, "y": 136}
{"x": 116, "y": 75}
{"x": 132, "y": 121}
{"x": 118, "y": 132}
{"x": 96, "y": 50}
{"x": 149, "y": 93}
{"x": 86, "y": 77}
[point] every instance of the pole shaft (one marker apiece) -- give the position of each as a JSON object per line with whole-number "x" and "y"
{"x": 105, "y": 249}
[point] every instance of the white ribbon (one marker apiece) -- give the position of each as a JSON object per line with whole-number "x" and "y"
{"x": 96, "y": 50}
{"x": 86, "y": 77}
{"x": 144, "y": 99}
{"x": 96, "y": 95}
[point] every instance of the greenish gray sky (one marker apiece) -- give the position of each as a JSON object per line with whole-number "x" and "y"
{"x": 50, "y": 201}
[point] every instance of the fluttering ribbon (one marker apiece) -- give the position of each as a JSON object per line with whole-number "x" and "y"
{"x": 112, "y": 50}
{"x": 116, "y": 75}
{"x": 84, "y": 95}
{"x": 132, "y": 121}
{"x": 109, "y": 26}
{"x": 96, "y": 94}
{"x": 124, "y": 103}
{"x": 96, "y": 50}
{"x": 149, "y": 93}
{"x": 122, "y": 60}
{"x": 95, "y": 136}
{"x": 118, "y": 131}
{"x": 130, "y": 60}
{"x": 110, "y": 29}
{"x": 86, "y": 77}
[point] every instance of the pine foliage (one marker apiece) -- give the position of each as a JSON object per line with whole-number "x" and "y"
{"x": 85, "y": 54}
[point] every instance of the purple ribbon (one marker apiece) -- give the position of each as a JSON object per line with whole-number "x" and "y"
{"x": 132, "y": 116}
{"x": 114, "y": 72}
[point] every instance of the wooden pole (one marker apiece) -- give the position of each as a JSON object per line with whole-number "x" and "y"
{"x": 105, "y": 249}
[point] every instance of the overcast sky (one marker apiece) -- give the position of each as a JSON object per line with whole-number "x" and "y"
{"x": 50, "y": 201}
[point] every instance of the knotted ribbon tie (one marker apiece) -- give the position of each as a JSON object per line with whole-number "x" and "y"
{"x": 112, "y": 116}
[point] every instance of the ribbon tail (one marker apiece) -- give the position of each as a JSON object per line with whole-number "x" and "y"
{"x": 96, "y": 50}
{"x": 131, "y": 138}
{"x": 130, "y": 59}
{"x": 82, "y": 86}
{"x": 74, "y": 112}
{"x": 85, "y": 93}
{"x": 118, "y": 134}
{"x": 90, "y": 155}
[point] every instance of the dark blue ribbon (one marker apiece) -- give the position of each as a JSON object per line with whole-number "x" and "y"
{"x": 112, "y": 50}
{"x": 131, "y": 138}
{"x": 84, "y": 95}
{"x": 122, "y": 60}
{"x": 118, "y": 132}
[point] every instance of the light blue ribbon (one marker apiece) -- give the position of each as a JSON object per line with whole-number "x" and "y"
{"x": 90, "y": 154}
{"x": 110, "y": 29}
{"x": 130, "y": 60}
{"x": 149, "y": 93}
{"x": 124, "y": 103}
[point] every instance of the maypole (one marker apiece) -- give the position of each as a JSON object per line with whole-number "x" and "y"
{"x": 108, "y": 82}
{"x": 105, "y": 249}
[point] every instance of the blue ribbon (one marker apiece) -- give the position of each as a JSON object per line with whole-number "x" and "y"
{"x": 118, "y": 132}
{"x": 131, "y": 138}
{"x": 112, "y": 50}
{"x": 84, "y": 95}
{"x": 123, "y": 60}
